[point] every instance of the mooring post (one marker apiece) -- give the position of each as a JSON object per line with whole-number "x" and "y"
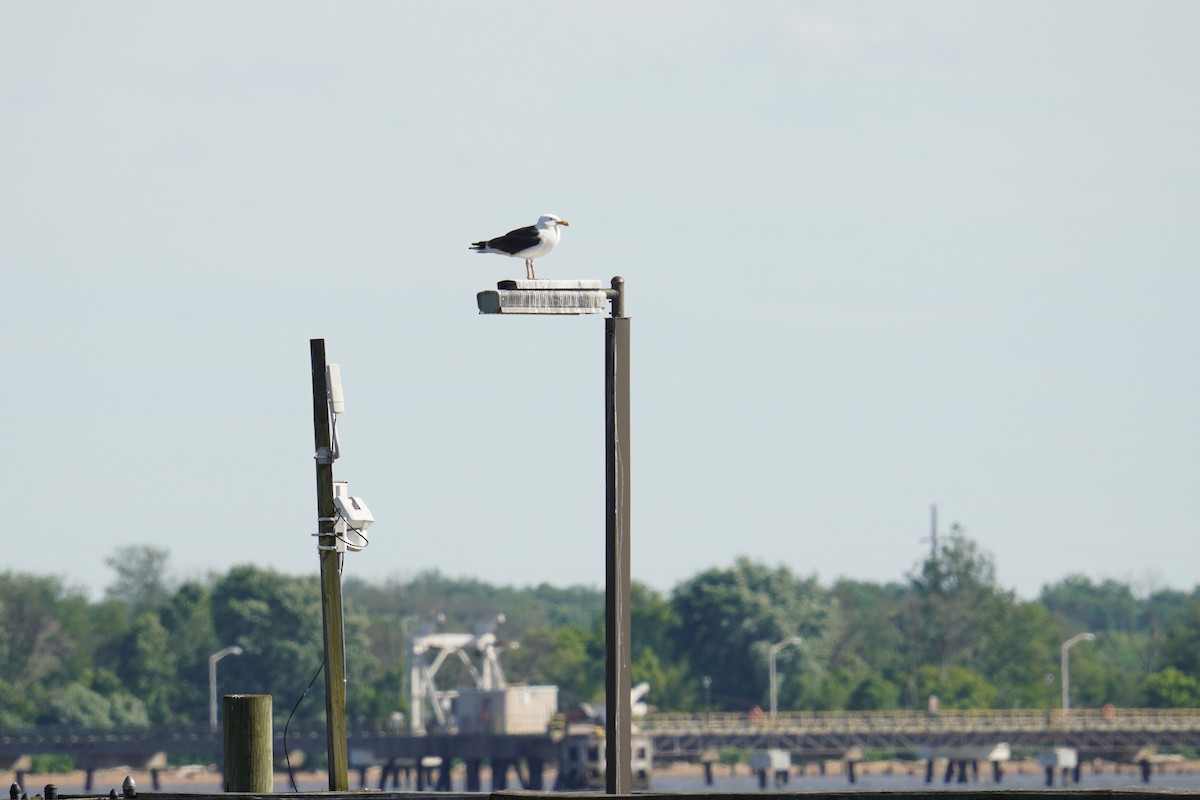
{"x": 249, "y": 766}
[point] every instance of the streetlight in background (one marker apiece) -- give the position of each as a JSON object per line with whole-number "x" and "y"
{"x": 1066, "y": 676}
{"x": 775, "y": 648}
{"x": 591, "y": 297}
{"x": 212, "y": 682}
{"x": 707, "y": 698}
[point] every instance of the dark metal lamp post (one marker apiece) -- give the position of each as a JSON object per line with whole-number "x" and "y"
{"x": 590, "y": 297}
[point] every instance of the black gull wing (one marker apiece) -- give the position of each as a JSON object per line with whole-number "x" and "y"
{"x": 515, "y": 241}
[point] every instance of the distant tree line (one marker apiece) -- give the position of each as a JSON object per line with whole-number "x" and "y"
{"x": 139, "y": 656}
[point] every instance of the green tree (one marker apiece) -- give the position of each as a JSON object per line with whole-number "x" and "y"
{"x": 727, "y": 620}
{"x": 1085, "y": 605}
{"x": 1113, "y": 607}
{"x": 187, "y": 619}
{"x": 141, "y": 577}
{"x": 464, "y": 603}
{"x": 672, "y": 684}
{"x": 874, "y": 693}
{"x": 77, "y": 705}
{"x": 1170, "y": 688}
{"x": 276, "y": 620}
{"x": 148, "y": 665}
{"x": 1018, "y": 643}
{"x": 47, "y": 641}
{"x": 956, "y": 687}
{"x": 956, "y": 599}
{"x": 872, "y": 632}
{"x": 561, "y": 656}
{"x": 957, "y": 616}
{"x": 817, "y": 690}
{"x": 1181, "y": 647}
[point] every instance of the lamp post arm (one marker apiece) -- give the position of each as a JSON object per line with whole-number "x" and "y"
{"x": 233, "y": 650}
{"x": 1064, "y": 666}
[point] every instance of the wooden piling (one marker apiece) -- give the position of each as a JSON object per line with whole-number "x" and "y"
{"x": 249, "y": 766}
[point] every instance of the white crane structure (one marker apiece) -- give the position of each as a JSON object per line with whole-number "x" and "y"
{"x": 488, "y": 675}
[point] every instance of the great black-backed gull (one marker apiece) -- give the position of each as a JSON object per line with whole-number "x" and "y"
{"x": 527, "y": 243}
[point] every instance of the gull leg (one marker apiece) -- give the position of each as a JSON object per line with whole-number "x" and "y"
{"x": 529, "y": 269}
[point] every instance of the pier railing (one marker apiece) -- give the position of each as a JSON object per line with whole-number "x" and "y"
{"x": 1026, "y": 720}
{"x": 1099, "y": 731}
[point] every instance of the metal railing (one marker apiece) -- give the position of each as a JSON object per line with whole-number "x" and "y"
{"x": 1030, "y": 720}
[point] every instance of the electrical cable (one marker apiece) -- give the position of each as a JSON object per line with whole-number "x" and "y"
{"x": 286, "y": 755}
{"x": 360, "y": 531}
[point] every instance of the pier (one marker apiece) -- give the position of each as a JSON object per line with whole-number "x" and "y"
{"x": 1102, "y": 732}
{"x": 1123, "y": 735}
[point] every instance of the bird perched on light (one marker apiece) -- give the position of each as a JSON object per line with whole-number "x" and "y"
{"x": 528, "y": 243}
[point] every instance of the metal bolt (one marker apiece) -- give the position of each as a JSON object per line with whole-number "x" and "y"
{"x": 129, "y": 788}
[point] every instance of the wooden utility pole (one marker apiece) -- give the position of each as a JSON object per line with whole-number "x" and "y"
{"x": 331, "y": 580}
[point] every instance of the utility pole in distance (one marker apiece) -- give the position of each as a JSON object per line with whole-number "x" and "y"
{"x": 331, "y": 579}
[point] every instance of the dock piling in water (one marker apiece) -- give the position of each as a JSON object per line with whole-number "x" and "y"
{"x": 249, "y": 766}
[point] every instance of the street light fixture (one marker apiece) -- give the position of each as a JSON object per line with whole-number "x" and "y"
{"x": 590, "y": 297}
{"x": 775, "y": 648}
{"x": 212, "y": 682}
{"x": 1066, "y": 675}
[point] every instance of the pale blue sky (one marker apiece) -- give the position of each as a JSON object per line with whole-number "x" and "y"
{"x": 878, "y": 255}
